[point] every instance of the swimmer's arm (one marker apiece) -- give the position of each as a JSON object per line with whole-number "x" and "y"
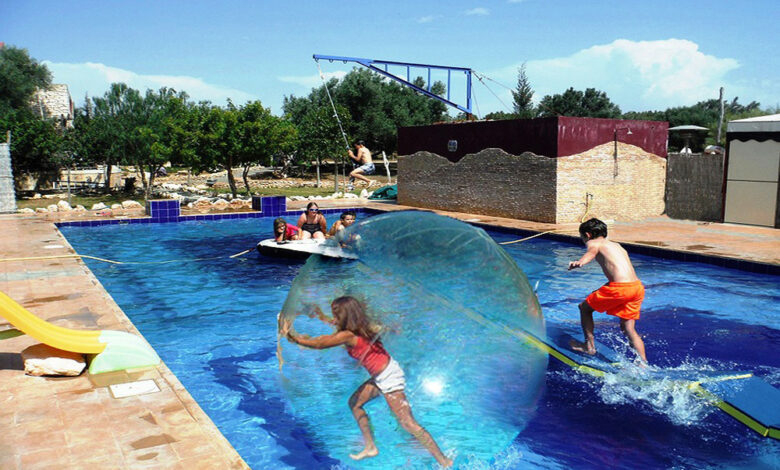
{"x": 589, "y": 256}
{"x": 301, "y": 220}
{"x": 325, "y": 341}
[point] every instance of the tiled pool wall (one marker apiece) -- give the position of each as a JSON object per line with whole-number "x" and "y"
{"x": 168, "y": 211}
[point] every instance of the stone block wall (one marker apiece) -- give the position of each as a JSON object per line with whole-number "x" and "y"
{"x": 634, "y": 193}
{"x": 7, "y": 195}
{"x": 490, "y": 182}
{"x": 538, "y": 188}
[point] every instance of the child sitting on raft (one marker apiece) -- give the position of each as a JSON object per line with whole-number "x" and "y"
{"x": 347, "y": 218}
{"x": 355, "y": 332}
{"x": 622, "y": 296}
{"x": 284, "y": 231}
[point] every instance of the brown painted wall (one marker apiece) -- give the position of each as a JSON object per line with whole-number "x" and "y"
{"x": 514, "y": 136}
{"x": 554, "y": 137}
{"x": 694, "y": 187}
{"x": 490, "y": 182}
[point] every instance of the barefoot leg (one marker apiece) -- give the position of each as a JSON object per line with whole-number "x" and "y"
{"x": 403, "y": 412}
{"x": 365, "y": 393}
{"x": 628, "y": 327}
{"x": 586, "y": 318}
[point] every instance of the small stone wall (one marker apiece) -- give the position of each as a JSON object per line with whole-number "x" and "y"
{"x": 490, "y": 182}
{"x": 538, "y": 188}
{"x": 7, "y": 194}
{"x": 694, "y": 187}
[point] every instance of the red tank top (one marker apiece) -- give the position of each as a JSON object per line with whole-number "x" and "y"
{"x": 372, "y": 356}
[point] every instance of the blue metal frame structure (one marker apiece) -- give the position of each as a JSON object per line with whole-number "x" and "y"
{"x": 376, "y": 64}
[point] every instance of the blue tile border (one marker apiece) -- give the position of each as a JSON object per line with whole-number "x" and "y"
{"x": 276, "y": 206}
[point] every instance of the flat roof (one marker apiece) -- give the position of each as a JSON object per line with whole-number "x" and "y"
{"x": 769, "y": 123}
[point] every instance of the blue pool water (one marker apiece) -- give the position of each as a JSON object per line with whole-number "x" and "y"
{"x": 214, "y": 324}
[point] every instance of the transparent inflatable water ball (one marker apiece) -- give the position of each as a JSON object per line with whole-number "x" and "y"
{"x": 453, "y": 309}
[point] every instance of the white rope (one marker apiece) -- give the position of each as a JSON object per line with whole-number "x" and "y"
{"x": 491, "y": 91}
{"x": 335, "y": 113}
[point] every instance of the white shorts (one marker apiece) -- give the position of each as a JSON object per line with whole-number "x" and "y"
{"x": 391, "y": 379}
{"x": 368, "y": 168}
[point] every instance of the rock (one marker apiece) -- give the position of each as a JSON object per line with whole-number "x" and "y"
{"x": 37, "y": 196}
{"x": 41, "y": 210}
{"x": 220, "y": 204}
{"x": 237, "y": 204}
{"x": 99, "y": 206}
{"x": 52, "y": 208}
{"x": 116, "y": 206}
{"x": 364, "y": 193}
{"x": 80, "y": 208}
{"x": 203, "y": 204}
{"x": 131, "y": 205}
{"x": 42, "y": 359}
{"x": 26, "y": 210}
{"x": 64, "y": 206}
{"x": 190, "y": 205}
{"x": 202, "y": 187}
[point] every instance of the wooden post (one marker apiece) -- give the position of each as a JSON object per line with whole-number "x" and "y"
{"x": 319, "y": 183}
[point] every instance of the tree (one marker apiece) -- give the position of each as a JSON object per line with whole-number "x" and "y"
{"x": 20, "y": 77}
{"x": 261, "y": 137}
{"x": 522, "y": 95}
{"x": 378, "y": 107}
{"x": 591, "y": 103}
{"x": 35, "y": 144}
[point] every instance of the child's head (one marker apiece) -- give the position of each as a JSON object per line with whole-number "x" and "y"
{"x": 348, "y": 218}
{"x": 280, "y": 225}
{"x": 350, "y": 314}
{"x": 593, "y": 228}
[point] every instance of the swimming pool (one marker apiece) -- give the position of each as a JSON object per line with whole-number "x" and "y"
{"x": 214, "y": 325}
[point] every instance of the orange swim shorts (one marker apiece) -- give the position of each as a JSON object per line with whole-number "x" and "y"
{"x": 621, "y": 299}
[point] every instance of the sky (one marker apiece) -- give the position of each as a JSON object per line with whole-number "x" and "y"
{"x": 646, "y": 55}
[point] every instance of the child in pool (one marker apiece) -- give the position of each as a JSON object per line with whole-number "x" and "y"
{"x": 387, "y": 378}
{"x": 284, "y": 231}
{"x": 622, "y": 296}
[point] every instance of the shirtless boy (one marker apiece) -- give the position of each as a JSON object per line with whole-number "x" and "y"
{"x": 622, "y": 296}
{"x": 365, "y": 166}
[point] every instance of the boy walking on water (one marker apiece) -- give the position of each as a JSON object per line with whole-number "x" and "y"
{"x": 622, "y": 296}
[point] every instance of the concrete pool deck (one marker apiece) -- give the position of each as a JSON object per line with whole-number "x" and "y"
{"x": 74, "y": 422}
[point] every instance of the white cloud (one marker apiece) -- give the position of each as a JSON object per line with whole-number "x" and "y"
{"x": 515, "y": 1}
{"x": 312, "y": 81}
{"x": 95, "y": 78}
{"x": 426, "y": 19}
{"x": 637, "y": 75}
{"x": 478, "y": 11}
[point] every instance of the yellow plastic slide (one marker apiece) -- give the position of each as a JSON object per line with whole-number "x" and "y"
{"x": 85, "y": 342}
{"x": 114, "y": 350}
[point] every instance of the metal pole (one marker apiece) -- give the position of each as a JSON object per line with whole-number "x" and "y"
{"x": 720, "y": 119}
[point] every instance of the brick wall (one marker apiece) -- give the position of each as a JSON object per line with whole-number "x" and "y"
{"x": 490, "y": 182}
{"x": 637, "y": 192}
{"x": 538, "y": 188}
